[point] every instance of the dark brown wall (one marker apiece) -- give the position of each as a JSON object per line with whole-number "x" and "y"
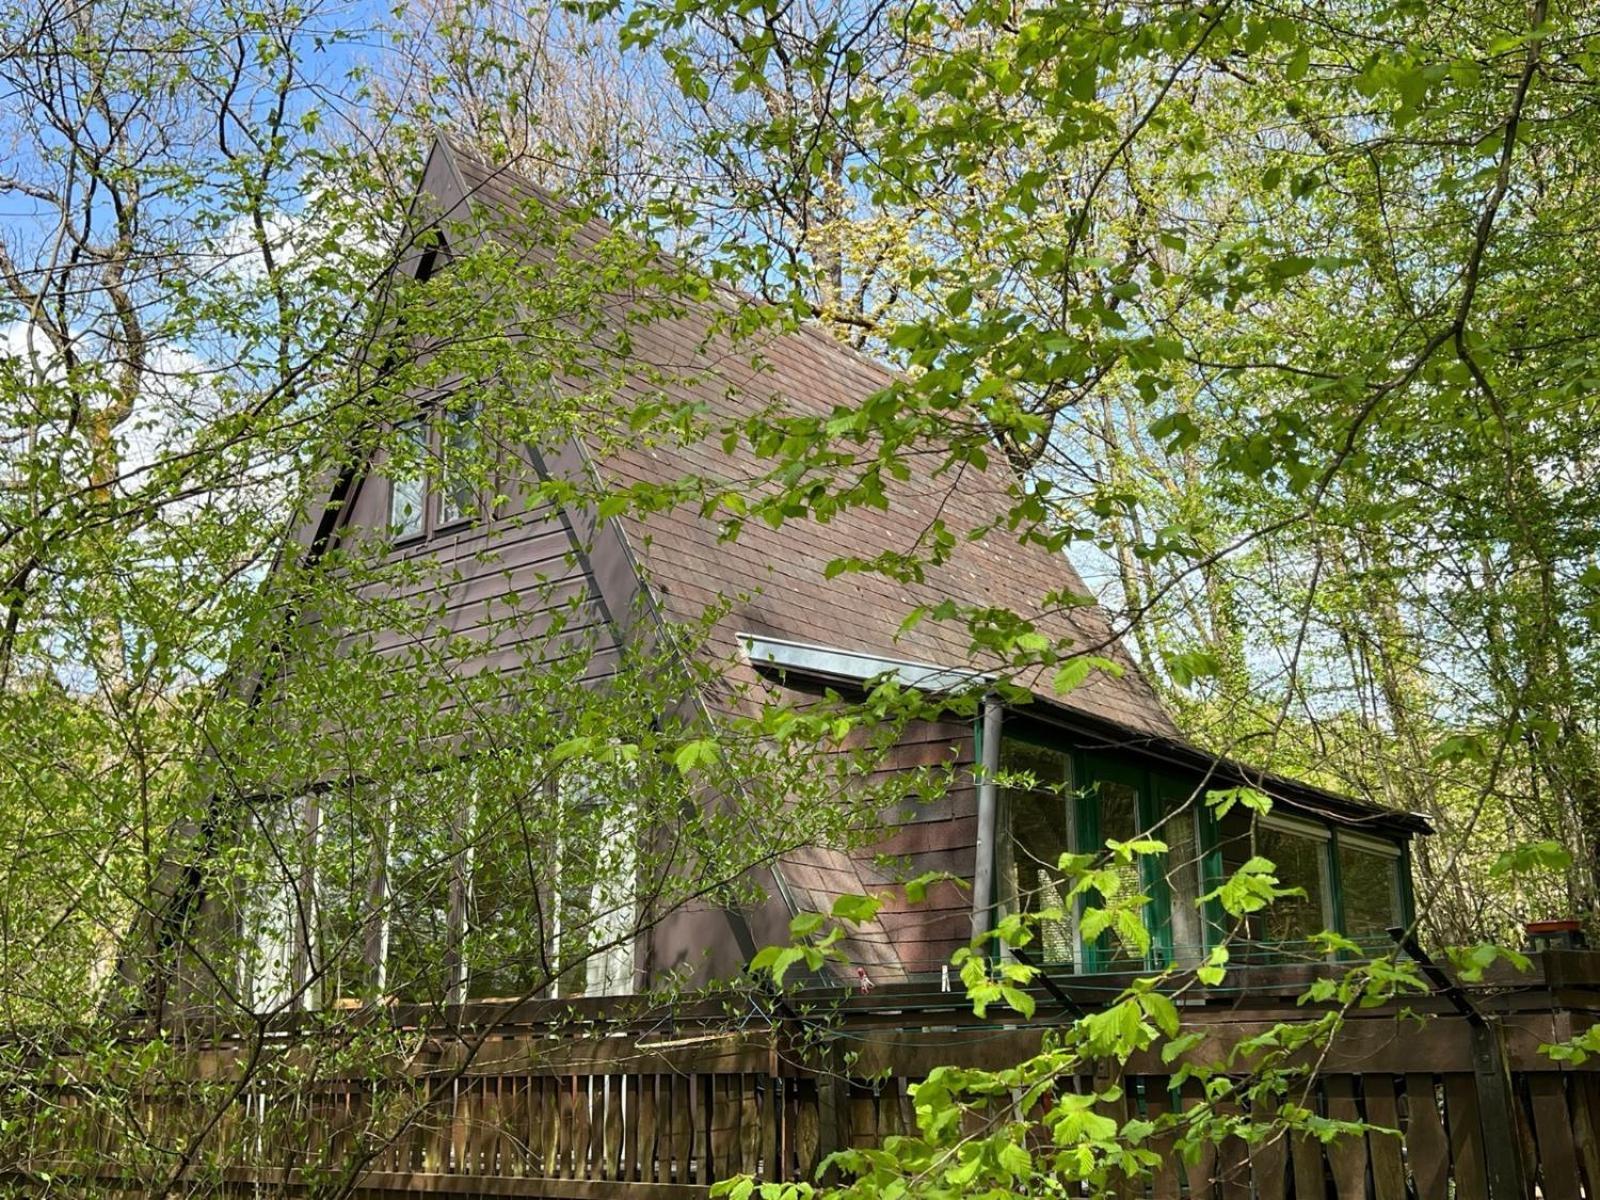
{"x": 708, "y": 943}
{"x": 504, "y": 581}
{"x": 936, "y": 836}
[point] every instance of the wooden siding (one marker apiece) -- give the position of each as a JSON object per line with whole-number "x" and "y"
{"x": 936, "y": 835}
{"x": 520, "y": 582}
{"x": 940, "y": 835}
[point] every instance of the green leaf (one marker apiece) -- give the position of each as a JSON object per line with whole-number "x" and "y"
{"x": 1190, "y": 665}
{"x": 805, "y": 924}
{"x": 856, "y": 909}
{"x": 1211, "y": 973}
{"x": 693, "y": 754}
{"x": 1162, "y": 1011}
{"x": 1532, "y": 858}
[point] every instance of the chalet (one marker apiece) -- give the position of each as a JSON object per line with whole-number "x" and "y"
{"x": 400, "y": 1020}
{"x": 1105, "y": 759}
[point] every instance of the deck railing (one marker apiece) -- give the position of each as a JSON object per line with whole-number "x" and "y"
{"x": 605, "y": 1098}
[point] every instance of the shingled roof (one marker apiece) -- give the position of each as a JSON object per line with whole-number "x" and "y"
{"x": 780, "y": 573}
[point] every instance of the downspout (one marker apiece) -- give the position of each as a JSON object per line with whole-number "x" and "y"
{"x": 983, "y": 898}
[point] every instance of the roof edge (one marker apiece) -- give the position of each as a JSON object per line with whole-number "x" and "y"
{"x": 842, "y": 665}
{"x": 855, "y": 666}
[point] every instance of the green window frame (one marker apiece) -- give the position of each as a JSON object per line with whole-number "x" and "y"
{"x": 1024, "y": 877}
{"x": 1155, "y": 800}
{"x": 1337, "y": 910}
{"x": 1099, "y": 777}
{"x": 1148, "y": 797}
{"x": 1161, "y": 808}
{"x": 1180, "y": 934}
{"x": 1278, "y": 837}
{"x": 1353, "y": 853}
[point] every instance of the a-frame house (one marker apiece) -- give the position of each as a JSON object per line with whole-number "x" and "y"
{"x": 1104, "y": 760}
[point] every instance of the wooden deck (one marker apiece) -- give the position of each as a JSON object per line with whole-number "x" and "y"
{"x": 589, "y": 1099}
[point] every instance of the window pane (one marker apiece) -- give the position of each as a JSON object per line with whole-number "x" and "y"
{"x": 265, "y": 883}
{"x": 1369, "y": 886}
{"x": 408, "y": 482}
{"x": 514, "y": 869}
{"x": 1182, "y": 872}
{"x": 610, "y": 969}
{"x": 595, "y": 893}
{"x": 421, "y": 853}
{"x": 458, "y": 492}
{"x": 349, "y": 862}
{"x": 1118, "y": 812}
{"x": 1036, "y": 837}
{"x": 1300, "y": 863}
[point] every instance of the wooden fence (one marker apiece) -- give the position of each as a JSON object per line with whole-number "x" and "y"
{"x": 599, "y": 1099}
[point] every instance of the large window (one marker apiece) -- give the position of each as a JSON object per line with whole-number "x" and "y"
{"x": 436, "y": 893}
{"x": 1047, "y": 811}
{"x": 1054, "y": 800}
{"x": 1035, "y": 808}
{"x": 1113, "y": 814}
{"x": 1369, "y": 885}
{"x": 1299, "y": 851}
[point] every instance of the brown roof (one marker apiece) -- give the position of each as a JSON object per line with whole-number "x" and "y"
{"x": 779, "y": 573}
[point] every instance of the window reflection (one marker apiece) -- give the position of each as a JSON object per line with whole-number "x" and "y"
{"x": 1036, "y": 809}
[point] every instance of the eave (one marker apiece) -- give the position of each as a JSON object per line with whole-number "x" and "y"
{"x": 856, "y": 668}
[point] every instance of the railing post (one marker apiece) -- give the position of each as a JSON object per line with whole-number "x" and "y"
{"x": 1498, "y": 1111}
{"x": 833, "y": 1105}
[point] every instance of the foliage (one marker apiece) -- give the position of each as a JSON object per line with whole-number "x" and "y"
{"x": 1247, "y": 298}
{"x": 1278, "y": 319}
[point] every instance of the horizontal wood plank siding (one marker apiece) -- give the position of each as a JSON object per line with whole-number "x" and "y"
{"x": 519, "y": 583}
{"x": 939, "y": 834}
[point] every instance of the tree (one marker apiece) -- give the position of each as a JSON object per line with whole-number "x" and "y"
{"x": 1244, "y": 296}
{"x": 213, "y": 731}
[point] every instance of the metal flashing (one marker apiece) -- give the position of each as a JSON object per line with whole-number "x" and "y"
{"x": 856, "y": 666}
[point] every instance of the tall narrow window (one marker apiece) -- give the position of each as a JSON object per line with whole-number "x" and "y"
{"x": 408, "y": 487}
{"x": 423, "y": 851}
{"x": 266, "y": 885}
{"x": 514, "y": 866}
{"x": 594, "y": 896}
{"x": 440, "y": 889}
{"x": 350, "y": 860}
{"x": 1184, "y": 935}
{"x": 1035, "y": 808}
{"x": 1299, "y": 851}
{"x": 1117, "y": 819}
{"x": 462, "y": 467}
{"x": 1369, "y": 886}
